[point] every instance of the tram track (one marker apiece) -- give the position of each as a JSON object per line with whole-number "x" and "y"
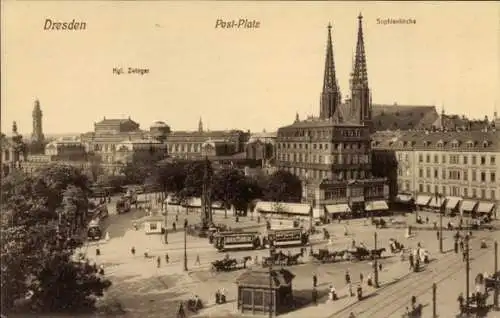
{"x": 391, "y": 298}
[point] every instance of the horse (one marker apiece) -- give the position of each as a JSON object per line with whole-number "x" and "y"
{"x": 377, "y": 253}
{"x": 360, "y": 253}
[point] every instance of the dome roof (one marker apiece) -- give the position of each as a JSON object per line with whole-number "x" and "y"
{"x": 159, "y": 124}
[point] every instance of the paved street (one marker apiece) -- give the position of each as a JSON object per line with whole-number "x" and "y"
{"x": 143, "y": 289}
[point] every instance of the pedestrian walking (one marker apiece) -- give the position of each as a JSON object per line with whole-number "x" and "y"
{"x": 197, "y": 262}
{"x": 361, "y": 277}
{"x": 456, "y": 247}
{"x": 410, "y": 259}
{"x": 380, "y": 266}
{"x": 437, "y": 235}
{"x": 158, "y": 262}
{"x": 97, "y": 252}
{"x": 461, "y": 245}
{"x": 427, "y": 219}
{"x": 174, "y": 227}
{"x": 167, "y": 259}
{"x": 132, "y": 250}
{"x": 180, "y": 312}
{"x": 315, "y": 296}
{"x": 347, "y": 277}
{"x": 315, "y": 280}
{"x": 461, "y": 302}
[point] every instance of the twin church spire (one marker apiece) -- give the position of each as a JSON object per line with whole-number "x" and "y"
{"x": 360, "y": 102}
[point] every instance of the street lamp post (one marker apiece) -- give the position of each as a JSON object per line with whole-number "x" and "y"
{"x": 434, "y": 310}
{"x": 270, "y": 281}
{"x": 185, "y": 246}
{"x": 495, "y": 291}
{"x": 165, "y": 221}
{"x": 467, "y": 269}
{"x": 375, "y": 262}
{"x": 440, "y": 230}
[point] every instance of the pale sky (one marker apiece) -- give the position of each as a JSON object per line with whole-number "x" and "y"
{"x": 238, "y": 78}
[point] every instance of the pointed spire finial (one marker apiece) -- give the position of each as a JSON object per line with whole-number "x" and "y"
{"x": 359, "y": 74}
{"x": 200, "y": 125}
{"x": 330, "y": 93}
{"x": 297, "y": 117}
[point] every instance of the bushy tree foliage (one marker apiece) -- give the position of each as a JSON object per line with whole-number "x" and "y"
{"x": 170, "y": 176}
{"x": 41, "y": 218}
{"x": 193, "y": 184}
{"x": 141, "y": 166}
{"x": 283, "y": 186}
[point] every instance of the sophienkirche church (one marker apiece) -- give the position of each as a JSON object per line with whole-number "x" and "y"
{"x": 332, "y": 153}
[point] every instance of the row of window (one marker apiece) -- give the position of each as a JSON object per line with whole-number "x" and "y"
{"x": 330, "y": 159}
{"x": 452, "y": 174}
{"x": 454, "y": 159}
{"x": 454, "y": 191}
{"x": 440, "y": 144}
{"x": 368, "y": 192}
{"x": 318, "y": 174}
{"x": 321, "y": 146}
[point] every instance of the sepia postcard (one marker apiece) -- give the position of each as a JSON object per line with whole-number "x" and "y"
{"x": 323, "y": 159}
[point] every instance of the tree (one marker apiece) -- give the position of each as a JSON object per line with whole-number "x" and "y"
{"x": 37, "y": 244}
{"x": 170, "y": 176}
{"x": 283, "y": 186}
{"x": 141, "y": 165}
{"x": 227, "y": 185}
{"x": 193, "y": 184}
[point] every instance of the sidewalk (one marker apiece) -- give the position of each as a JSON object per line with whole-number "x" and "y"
{"x": 324, "y": 308}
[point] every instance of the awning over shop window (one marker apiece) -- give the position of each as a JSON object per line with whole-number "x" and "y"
{"x": 468, "y": 205}
{"x": 337, "y": 208}
{"x": 405, "y": 198}
{"x": 485, "y": 207}
{"x": 376, "y": 206}
{"x": 423, "y": 199}
{"x": 436, "y": 202}
{"x": 283, "y": 208}
{"x": 452, "y": 202}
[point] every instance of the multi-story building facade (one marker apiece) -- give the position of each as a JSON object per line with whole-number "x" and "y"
{"x": 261, "y": 146}
{"x": 195, "y": 145}
{"x": 114, "y": 141}
{"x": 462, "y": 166}
{"x": 13, "y": 151}
{"x": 332, "y": 153}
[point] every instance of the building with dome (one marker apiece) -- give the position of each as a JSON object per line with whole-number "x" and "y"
{"x": 14, "y": 151}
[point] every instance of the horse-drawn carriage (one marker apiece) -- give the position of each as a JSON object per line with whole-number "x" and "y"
{"x": 325, "y": 256}
{"x": 362, "y": 253}
{"x": 229, "y": 264}
{"x": 379, "y": 223}
{"x": 395, "y": 246}
{"x": 281, "y": 259}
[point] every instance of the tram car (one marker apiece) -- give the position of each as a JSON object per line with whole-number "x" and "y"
{"x": 226, "y": 241}
{"x": 94, "y": 232}
{"x": 287, "y": 237}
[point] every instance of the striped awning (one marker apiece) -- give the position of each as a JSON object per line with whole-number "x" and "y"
{"x": 283, "y": 208}
{"x": 423, "y": 199}
{"x": 436, "y": 202}
{"x": 468, "y": 205}
{"x": 338, "y": 208}
{"x": 452, "y": 202}
{"x": 485, "y": 207}
{"x": 376, "y": 206}
{"x": 404, "y": 197}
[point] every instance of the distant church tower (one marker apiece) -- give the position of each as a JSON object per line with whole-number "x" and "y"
{"x": 37, "y": 135}
{"x": 330, "y": 96}
{"x": 200, "y": 125}
{"x": 361, "y": 104}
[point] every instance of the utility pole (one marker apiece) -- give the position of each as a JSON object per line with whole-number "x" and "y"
{"x": 375, "y": 262}
{"x": 166, "y": 224}
{"x": 434, "y": 311}
{"x": 440, "y": 230}
{"x": 495, "y": 291}
{"x": 271, "y": 281}
{"x": 467, "y": 269}
{"x": 311, "y": 228}
{"x": 185, "y": 246}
